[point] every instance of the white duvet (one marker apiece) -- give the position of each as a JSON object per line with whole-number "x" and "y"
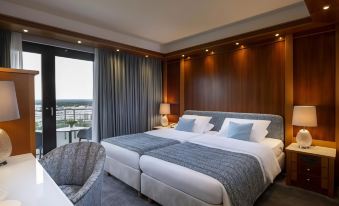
{"x": 202, "y": 186}
{"x": 181, "y": 136}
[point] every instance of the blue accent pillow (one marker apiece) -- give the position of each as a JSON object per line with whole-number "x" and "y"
{"x": 185, "y": 125}
{"x": 239, "y": 131}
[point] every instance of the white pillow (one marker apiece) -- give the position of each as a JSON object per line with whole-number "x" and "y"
{"x": 200, "y": 124}
{"x": 208, "y": 127}
{"x": 259, "y": 129}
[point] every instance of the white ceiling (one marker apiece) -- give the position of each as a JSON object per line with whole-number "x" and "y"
{"x": 155, "y": 23}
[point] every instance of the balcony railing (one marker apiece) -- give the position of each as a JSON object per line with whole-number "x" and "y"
{"x": 83, "y": 116}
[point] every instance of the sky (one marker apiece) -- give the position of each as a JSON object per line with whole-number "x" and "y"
{"x": 73, "y": 77}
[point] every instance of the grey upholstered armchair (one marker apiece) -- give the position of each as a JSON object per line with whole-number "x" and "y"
{"x": 78, "y": 170}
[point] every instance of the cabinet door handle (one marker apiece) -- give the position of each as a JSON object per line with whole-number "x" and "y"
{"x": 52, "y": 111}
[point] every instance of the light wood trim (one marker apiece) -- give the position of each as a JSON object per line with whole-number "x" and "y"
{"x": 19, "y": 71}
{"x": 324, "y": 143}
{"x": 288, "y": 89}
{"x": 182, "y": 86}
{"x": 22, "y": 130}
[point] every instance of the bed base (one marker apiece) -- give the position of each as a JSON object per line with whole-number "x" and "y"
{"x": 167, "y": 195}
{"x": 123, "y": 172}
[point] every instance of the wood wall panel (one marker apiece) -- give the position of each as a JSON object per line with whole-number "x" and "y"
{"x": 314, "y": 80}
{"x": 244, "y": 80}
{"x": 21, "y": 131}
{"x": 173, "y": 89}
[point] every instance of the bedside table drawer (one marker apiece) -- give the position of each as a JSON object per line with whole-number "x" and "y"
{"x": 309, "y": 165}
{"x": 310, "y": 182}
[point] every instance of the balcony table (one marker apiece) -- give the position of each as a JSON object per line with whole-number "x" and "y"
{"x": 70, "y": 131}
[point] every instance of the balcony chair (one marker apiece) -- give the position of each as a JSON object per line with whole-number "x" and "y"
{"x": 77, "y": 168}
{"x": 85, "y": 134}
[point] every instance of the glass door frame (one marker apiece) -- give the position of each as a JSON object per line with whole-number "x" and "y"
{"x": 48, "y": 54}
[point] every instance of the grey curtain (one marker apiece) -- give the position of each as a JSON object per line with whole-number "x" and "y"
{"x": 127, "y": 93}
{"x": 5, "y": 48}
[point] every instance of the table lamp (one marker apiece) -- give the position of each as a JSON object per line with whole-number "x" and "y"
{"x": 8, "y": 111}
{"x": 164, "y": 111}
{"x": 304, "y": 116}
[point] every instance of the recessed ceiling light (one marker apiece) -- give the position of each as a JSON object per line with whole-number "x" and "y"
{"x": 206, "y": 50}
{"x": 25, "y": 30}
{"x": 183, "y": 55}
{"x": 242, "y": 46}
{"x": 237, "y": 43}
{"x": 326, "y": 7}
{"x": 117, "y": 50}
{"x": 276, "y": 34}
{"x": 146, "y": 56}
{"x": 79, "y": 42}
{"x": 280, "y": 38}
{"x": 212, "y": 52}
{"x": 188, "y": 57}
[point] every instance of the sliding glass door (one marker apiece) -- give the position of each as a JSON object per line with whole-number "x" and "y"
{"x": 63, "y": 92}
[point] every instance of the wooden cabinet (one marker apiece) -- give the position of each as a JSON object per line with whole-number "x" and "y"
{"x": 311, "y": 169}
{"x": 21, "y": 131}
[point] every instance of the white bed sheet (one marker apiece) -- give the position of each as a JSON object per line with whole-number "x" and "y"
{"x": 275, "y": 144}
{"x": 202, "y": 186}
{"x": 131, "y": 158}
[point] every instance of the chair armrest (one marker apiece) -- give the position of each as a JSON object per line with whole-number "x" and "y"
{"x": 92, "y": 181}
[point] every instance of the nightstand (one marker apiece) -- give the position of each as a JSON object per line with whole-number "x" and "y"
{"x": 312, "y": 168}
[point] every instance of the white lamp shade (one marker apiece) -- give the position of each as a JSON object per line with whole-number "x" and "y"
{"x": 304, "y": 116}
{"x": 165, "y": 108}
{"x": 8, "y": 102}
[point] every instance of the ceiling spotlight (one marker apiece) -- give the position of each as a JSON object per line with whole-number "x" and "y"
{"x": 183, "y": 55}
{"x": 326, "y": 7}
{"x": 277, "y": 35}
{"x": 206, "y": 50}
{"x": 242, "y": 46}
{"x": 280, "y": 38}
{"x": 212, "y": 52}
{"x": 117, "y": 50}
{"x": 79, "y": 42}
{"x": 237, "y": 43}
{"x": 146, "y": 56}
{"x": 188, "y": 57}
{"x": 25, "y": 30}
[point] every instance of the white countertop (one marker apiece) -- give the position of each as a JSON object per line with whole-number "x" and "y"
{"x": 25, "y": 180}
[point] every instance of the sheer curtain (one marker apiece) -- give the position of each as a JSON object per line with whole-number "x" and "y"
{"x": 16, "y": 50}
{"x": 127, "y": 93}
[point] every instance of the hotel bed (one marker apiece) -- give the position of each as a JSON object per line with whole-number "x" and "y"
{"x": 123, "y": 161}
{"x": 171, "y": 181}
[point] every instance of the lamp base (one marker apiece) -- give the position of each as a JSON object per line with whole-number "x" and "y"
{"x": 304, "y": 139}
{"x": 5, "y": 147}
{"x": 164, "y": 121}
